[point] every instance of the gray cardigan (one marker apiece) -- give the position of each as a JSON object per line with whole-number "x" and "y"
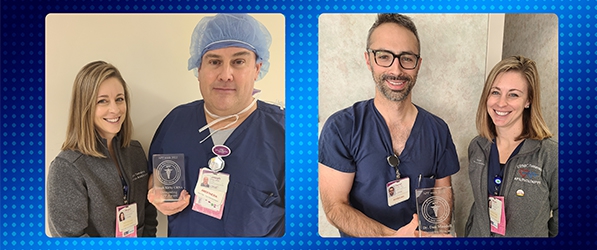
{"x": 534, "y": 171}
{"x": 84, "y": 191}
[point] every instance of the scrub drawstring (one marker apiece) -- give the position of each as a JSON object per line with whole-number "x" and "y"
{"x": 221, "y": 118}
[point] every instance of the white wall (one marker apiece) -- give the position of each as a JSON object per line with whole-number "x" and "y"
{"x": 151, "y": 52}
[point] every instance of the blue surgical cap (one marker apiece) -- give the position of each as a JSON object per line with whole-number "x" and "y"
{"x": 230, "y": 30}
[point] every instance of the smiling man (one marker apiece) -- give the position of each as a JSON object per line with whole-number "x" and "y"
{"x": 229, "y": 138}
{"x": 385, "y": 143}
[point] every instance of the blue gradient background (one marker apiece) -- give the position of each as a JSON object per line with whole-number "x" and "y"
{"x": 22, "y": 121}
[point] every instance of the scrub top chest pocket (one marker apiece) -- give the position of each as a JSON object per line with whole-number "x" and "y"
{"x": 253, "y": 212}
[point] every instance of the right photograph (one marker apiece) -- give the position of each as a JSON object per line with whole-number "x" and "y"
{"x": 438, "y": 125}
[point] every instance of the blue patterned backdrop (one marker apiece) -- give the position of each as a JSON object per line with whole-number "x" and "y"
{"x": 22, "y": 121}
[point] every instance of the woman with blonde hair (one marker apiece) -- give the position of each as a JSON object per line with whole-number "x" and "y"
{"x": 513, "y": 163}
{"x": 100, "y": 171}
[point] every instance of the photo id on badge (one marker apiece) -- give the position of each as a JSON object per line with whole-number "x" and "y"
{"x": 497, "y": 215}
{"x": 398, "y": 191}
{"x": 210, "y": 192}
{"x": 126, "y": 220}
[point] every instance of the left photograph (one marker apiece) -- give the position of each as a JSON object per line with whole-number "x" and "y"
{"x": 165, "y": 125}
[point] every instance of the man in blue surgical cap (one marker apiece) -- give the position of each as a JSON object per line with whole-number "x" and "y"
{"x": 230, "y": 140}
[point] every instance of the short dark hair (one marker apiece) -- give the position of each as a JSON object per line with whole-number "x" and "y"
{"x": 399, "y": 19}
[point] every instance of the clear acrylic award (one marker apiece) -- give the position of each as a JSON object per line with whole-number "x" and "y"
{"x": 434, "y": 208}
{"x": 169, "y": 175}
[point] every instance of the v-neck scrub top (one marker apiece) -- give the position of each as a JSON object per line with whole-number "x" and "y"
{"x": 357, "y": 140}
{"x": 254, "y": 204}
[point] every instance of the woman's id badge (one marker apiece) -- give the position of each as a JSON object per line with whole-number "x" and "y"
{"x": 497, "y": 215}
{"x": 126, "y": 221}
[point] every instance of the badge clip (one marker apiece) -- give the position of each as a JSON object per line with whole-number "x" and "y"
{"x": 217, "y": 163}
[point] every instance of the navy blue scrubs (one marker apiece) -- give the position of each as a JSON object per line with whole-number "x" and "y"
{"x": 254, "y": 203}
{"x": 357, "y": 140}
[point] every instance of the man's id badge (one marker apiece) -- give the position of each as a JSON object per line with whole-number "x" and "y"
{"x": 210, "y": 192}
{"x": 497, "y": 214}
{"x": 398, "y": 191}
{"x": 126, "y": 221}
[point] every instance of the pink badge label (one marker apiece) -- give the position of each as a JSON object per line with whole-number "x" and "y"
{"x": 497, "y": 215}
{"x": 210, "y": 193}
{"x": 126, "y": 221}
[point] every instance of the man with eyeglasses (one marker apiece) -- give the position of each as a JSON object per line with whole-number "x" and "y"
{"x": 385, "y": 142}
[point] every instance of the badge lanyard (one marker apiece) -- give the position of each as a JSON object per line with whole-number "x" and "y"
{"x": 126, "y": 214}
{"x": 125, "y": 189}
{"x": 497, "y": 212}
{"x": 495, "y": 175}
{"x": 497, "y": 180}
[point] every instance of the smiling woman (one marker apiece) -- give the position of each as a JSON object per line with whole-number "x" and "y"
{"x": 96, "y": 175}
{"x": 110, "y": 110}
{"x": 457, "y": 52}
{"x": 513, "y": 166}
{"x": 157, "y": 83}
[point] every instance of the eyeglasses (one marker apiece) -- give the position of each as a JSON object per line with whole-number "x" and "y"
{"x": 386, "y": 58}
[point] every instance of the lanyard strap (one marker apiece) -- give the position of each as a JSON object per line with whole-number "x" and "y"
{"x": 125, "y": 189}
{"x": 495, "y": 172}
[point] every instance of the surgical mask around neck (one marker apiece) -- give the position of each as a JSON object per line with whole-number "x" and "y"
{"x": 222, "y": 118}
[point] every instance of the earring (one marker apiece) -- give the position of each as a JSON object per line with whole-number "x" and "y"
{"x": 527, "y": 106}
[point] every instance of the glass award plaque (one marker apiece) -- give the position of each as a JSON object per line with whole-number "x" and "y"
{"x": 434, "y": 208}
{"x": 168, "y": 175}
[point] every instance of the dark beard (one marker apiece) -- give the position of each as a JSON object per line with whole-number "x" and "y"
{"x": 394, "y": 95}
